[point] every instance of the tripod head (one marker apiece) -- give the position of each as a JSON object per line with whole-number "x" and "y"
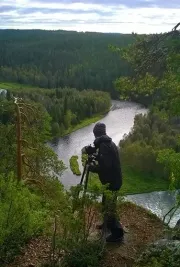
{"x": 91, "y": 152}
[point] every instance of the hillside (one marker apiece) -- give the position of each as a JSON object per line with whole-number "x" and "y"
{"x": 53, "y": 59}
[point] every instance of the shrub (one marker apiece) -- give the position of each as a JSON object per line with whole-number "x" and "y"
{"x": 85, "y": 254}
{"x": 74, "y": 224}
{"x": 165, "y": 254}
{"x": 141, "y": 158}
{"x": 22, "y": 216}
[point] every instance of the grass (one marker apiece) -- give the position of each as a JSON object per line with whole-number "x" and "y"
{"x": 74, "y": 165}
{"x": 14, "y": 87}
{"x": 135, "y": 182}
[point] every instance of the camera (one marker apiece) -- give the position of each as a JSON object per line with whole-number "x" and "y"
{"x": 90, "y": 150}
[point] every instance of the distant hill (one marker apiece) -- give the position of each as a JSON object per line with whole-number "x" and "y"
{"x": 52, "y": 59}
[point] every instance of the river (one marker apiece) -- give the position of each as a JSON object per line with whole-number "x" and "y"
{"x": 119, "y": 122}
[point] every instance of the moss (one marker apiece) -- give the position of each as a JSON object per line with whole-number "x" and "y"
{"x": 74, "y": 165}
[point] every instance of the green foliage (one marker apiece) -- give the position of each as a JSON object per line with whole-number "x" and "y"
{"x": 150, "y": 134}
{"x": 67, "y": 108}
{"x": 155, "y": 61}
{"x": 73, "y": 228}
{"x": 56, "y": 130}
{"x": 7, "y": 148}
{"x": 145, "y": 87}
{"x": 39, "y": 161}
{"x": 136, "y": 182}
{"x": 26, "y": 208}
{"x": 53, "y": 59}
{"x": 152, "y": 147}
{"x": 74, "y": 165}
{"x": 85, "y": 254}
{"x": 82, "y": 124}
{"x": 171, "y": 161}
{"x": 23, "y": 215}
{"x": 165, "y": 255}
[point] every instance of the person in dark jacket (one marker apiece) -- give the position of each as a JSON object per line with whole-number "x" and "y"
{"x": 109, "y": 171}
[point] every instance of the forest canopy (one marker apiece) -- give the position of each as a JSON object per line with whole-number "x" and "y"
{"x": 53, "y": 59}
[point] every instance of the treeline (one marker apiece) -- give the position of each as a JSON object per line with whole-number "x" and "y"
{"x": 140, "y": 148}
{"x": 67, "y": 107}
{"x": 153, "y": 144}
{"x": 53, "y": 59}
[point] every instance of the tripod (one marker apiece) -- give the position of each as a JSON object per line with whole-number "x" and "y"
{"x": 85, "y": 174}
{"x": 84, "y": 179}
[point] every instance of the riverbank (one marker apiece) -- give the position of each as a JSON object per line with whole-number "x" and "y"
{"x": 15, "y": 87}
{"x": 84, "y": 123}
{"x": 136, "y": 183}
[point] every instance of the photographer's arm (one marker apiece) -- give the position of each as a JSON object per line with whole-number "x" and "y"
{"x": 94, "y": 168}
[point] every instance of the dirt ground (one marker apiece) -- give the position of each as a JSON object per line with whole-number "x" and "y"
{"x": 142, "y": 228}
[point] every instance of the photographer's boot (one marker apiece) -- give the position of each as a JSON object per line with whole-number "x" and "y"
{"x": 113, "y": 239}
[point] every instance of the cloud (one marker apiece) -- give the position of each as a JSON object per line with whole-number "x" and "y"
{"x": 4, "y": 9}
{"x": 142, "y": 16}
{"x": 127, "y": 3}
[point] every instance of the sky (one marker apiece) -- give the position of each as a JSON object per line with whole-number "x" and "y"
{"x": 120, "y": 16}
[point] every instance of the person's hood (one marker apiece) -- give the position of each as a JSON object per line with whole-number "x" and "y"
{"x": 102, "y": 139}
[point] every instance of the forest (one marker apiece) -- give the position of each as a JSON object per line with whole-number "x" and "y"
{"x": 67, "y": 107}
{"x": 53, "y": 74}
{"x": 54, "y": 59}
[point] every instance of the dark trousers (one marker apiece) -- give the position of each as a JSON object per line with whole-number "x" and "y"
{"x": 110, "y": 217}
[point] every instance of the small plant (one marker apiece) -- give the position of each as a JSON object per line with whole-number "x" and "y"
{"x": 74, "y": 165}
{"x": 89, "y": 253}
{"x": 161, "y": 255}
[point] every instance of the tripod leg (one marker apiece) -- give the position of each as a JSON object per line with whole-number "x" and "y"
{"x": 84, "y": 171}
{"x": 86, "y": 181}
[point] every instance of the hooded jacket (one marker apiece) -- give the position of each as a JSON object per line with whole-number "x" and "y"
{"x": 108, "y": 168}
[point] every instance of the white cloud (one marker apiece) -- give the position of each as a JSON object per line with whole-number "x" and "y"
{"x": 88, "y": 17}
